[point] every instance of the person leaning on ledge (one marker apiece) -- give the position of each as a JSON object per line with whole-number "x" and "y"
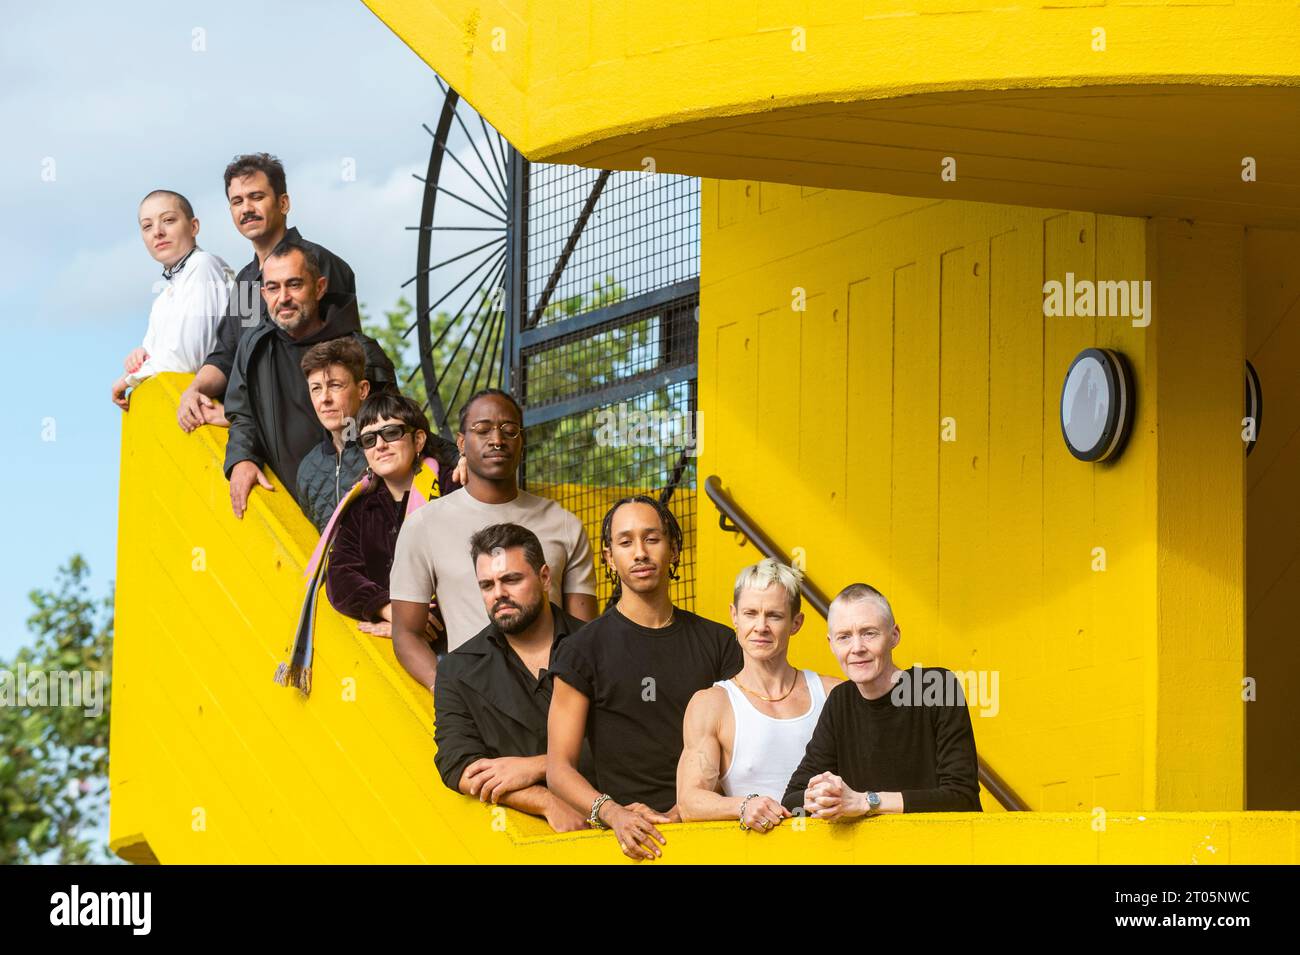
{"x": 494, "y": 690}
{"x": 875, "y": 749}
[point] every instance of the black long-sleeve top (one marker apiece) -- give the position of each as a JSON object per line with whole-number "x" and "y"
{"x": 896, "y": 743}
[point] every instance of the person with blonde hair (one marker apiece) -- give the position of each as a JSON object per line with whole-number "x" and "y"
{"x": 744, "y": 737}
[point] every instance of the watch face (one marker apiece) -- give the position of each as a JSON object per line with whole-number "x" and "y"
{"x": 873, "y": 800}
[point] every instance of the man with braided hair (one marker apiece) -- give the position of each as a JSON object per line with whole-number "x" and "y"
{"x": 625, "y": 680}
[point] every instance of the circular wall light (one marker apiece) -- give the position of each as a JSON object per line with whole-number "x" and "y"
{"x": 1254, "y": 405}
{"x": 1097, "y": 404}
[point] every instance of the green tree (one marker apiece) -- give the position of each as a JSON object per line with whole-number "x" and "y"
{"x": 575, "y": 449}
{"x": 389, "y": 332}
{"x": 54, "y": 758}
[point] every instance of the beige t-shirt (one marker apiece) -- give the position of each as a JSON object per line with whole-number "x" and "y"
{"x": 432, "y": 555}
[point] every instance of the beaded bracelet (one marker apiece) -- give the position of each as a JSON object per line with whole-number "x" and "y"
{"x": 745, "y": 802}
{"x": 594, "y": 820}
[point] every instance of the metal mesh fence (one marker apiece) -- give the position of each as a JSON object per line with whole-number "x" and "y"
{"x": 643, "y": 234}
{"x": 612, "y": 405}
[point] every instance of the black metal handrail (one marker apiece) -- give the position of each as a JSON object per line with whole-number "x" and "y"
{"x": 729, "y": 510}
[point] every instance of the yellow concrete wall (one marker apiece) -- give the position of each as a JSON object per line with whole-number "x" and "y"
{"x": 1118, "y": 688}
{"x": 1152, "y": 118}
{"x": 1273, "y": 521}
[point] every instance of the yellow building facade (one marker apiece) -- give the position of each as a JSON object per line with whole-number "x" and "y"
{"x": 887, "y": 189}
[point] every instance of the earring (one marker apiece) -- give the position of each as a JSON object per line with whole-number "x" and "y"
{"x": 672, "y": 572}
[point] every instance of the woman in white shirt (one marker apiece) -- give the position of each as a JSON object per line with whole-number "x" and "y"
{"x": 191, "y": 297}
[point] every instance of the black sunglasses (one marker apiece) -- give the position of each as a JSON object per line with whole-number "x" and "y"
{"x": 389, "y": 432}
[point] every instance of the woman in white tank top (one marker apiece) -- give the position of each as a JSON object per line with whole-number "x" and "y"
{"x": 766, "y": 750}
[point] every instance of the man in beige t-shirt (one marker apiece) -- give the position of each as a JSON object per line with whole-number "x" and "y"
{"x": 432, "y": 555}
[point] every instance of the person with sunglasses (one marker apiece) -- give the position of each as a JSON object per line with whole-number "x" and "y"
{"x": 433, "y": 548}
{"x": 395, "y": 437}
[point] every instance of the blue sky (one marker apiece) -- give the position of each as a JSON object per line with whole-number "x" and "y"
{"x": 121, "y": 102}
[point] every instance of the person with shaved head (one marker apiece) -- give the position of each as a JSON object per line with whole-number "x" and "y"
{"x": 189, "y": 299}
{"x": 880, "y": 745}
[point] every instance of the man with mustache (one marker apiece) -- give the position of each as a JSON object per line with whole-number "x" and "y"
{"x": 272, "y": 419}
{"x": 259, "y": 207}
{"x": 494, "y": 691}
{"x": 431, "y": 548}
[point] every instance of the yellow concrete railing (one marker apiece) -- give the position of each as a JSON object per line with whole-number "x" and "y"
{"x": 211, "y": 762}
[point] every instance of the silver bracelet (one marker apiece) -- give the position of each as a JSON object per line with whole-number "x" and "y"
{"x": 743, "y": 803}
{"x": 594, "y": 820}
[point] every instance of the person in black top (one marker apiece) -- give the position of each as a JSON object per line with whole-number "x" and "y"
{"x": 259, "y": 206}
{"x": 494, "y": 690}
{"x": 888, "y": 740}
{"x": 396, "y": 442}
{"x": 272, "y": 419}
{"x": 626, "y": 679}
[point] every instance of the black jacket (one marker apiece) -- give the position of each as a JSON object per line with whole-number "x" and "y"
{"x": 272, "y": 421}
{"x": 325, "y": 475}
{"x": 482, "y": 707}
{"x": 246, "y": 310}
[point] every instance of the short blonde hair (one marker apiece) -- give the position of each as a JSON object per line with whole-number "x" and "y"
{"x": 764, "y": 574}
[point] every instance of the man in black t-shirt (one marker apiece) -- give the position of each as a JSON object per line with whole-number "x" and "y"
{"x": 887, "y": 740}
{"x": 625, "y": 680}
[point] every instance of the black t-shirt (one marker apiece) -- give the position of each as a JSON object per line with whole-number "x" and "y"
{"x": 906, "y": 741}
{"x": 639, "y": 681}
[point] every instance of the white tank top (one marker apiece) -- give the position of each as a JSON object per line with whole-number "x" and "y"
{"x": 766, "y": 751}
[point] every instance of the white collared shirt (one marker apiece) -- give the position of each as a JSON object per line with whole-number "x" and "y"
{"x": 184, "y": 317}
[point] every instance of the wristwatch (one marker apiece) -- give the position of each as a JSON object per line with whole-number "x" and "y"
{"x": 873, "y": 803}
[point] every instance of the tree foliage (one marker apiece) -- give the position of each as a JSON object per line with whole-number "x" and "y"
{"x": 54, "y": 758}
{"x": 632, "y": 445}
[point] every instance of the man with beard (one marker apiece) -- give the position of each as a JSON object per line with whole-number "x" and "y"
{"x": 625, "y": 680}
{"x": 272, "y": 419}
{"x": 494, "y": 691}
{"x": 259, "y": 207}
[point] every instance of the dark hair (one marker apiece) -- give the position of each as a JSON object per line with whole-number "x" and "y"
{"x": 384, "y": 404}
{"x": 345, "y": 351}
{"x": 287, "y": 245}
{"x": 484, "y": 393}
{"x": 250, "y": 163}
{"x": 505, "y": 536}
{"x": 666, "y": 520}
{"x": 184, "y": 203}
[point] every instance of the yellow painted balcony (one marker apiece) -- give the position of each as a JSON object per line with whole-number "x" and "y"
{"x": 1129, "y": 107}
{"x": 212, "y": 762}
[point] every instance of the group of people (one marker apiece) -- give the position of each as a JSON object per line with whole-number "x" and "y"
{"x": 651, "y": 714}
{"x": 625, "y": 720}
